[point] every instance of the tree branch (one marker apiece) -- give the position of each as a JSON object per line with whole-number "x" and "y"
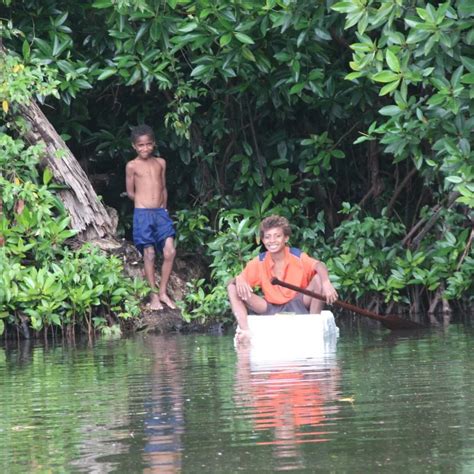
{"x": 431, "y": 222}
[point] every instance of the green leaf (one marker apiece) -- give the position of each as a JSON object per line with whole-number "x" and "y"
{"x": 465, "y": 146}
{"x": 362, "y": 47}
{"x": 392, "y": 61}
{"x": 61, "y": 19}
{"x": 468, "y": 78}
{"x": 200, "y": 70}
{"x": 141, "y": 32}
{"x": 390, "y": 110}
{"x": 47, "y": 176}
{"x": 26, "y": 50}
{"x": 344, "y": 7}
{"x": 134, "y": 78}
{"x": 353, "y": 75}
{"x": 385, "y": 76}
{"x": 83, "y": 84}
{"x": 102, "y": 4}
{"x": 362, "y": 139}
{"x": 387, "y": 88}
{"x": 363, "y": 22}
{"x": 322, "y": 34}
{"x": 465, "y": 7}
{"x": 243, "y": 38}
{"x": 354, "y": 18}
{"x": 468, "y": 63}
{"x": 417, "y": 36}
{"x": 44, "y": 47}
{"x": 107, "y": 73}
{"x": 225, "y": 39}
{"x": 247, "y": 54}
{"x": 454, "y": 179}
{"x": 297, "y": 88}
{"x": 191, "y": 26}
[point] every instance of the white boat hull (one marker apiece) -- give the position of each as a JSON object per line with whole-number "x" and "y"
{"x": 290, "y": 337}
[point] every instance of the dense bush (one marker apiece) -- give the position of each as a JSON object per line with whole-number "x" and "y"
{"x": 352, "y": 118}
{"x": 43, "y": 283}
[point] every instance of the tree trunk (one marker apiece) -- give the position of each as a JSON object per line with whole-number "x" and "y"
{"x": 88, "y": 215}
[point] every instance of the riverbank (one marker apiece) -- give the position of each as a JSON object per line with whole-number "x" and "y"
{"x": 187, "y": 267}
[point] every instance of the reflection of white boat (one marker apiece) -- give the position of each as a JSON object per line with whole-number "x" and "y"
{"x": 290, "y": 337}
{"x": 289, "y": 395}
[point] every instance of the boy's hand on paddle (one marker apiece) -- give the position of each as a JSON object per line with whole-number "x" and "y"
{"x": 329, "y": 292}
{"x": 244, "y": 290}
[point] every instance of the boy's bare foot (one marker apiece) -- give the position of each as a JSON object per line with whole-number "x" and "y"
{"x": 155, "y": 303}
{"x": 167, "y": 301}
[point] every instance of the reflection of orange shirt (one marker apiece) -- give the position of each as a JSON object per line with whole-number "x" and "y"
{"x": 283, "y": 394}
{"x": 299, "y": 270}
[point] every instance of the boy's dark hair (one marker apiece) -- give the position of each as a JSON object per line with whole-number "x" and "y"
{"x": 140, "y": 131}
{"x": 271, "y": 222}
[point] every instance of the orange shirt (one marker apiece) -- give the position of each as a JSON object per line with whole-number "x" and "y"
{"x": 298, "y": 270}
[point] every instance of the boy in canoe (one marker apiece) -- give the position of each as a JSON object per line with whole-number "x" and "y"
{"x": 290, "y": 265}
{"x": 153, "y": 229}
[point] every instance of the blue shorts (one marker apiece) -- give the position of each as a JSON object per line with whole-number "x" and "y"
{"x": 151, "y": 227}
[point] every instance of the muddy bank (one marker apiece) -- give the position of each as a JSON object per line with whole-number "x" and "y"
{"x": 186, "y": 268}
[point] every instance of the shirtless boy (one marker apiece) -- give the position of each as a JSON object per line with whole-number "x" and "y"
{"x": 153, "y": 229}
{"x": 290, "y": 265}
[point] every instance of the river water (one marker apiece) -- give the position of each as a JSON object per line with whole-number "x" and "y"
{"x": 381, "y": 402}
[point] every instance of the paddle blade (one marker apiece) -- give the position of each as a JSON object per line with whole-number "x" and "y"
{"x": 396, "y": 323}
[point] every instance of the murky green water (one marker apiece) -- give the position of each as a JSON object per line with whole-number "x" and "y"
{"x": 380, "y": 403}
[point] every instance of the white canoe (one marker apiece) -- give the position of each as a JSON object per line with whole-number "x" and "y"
{"x": 290, "y": 337}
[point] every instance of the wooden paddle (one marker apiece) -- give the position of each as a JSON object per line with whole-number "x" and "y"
{"x": 390, "y": 322}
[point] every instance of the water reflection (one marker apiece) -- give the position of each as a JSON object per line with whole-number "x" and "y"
{"x": 164, "y": 424}
{"x": 385, "y": 402}
{"x": 290, "y": 404}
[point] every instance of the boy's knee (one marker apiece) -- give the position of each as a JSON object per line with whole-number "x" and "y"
{"x": 169, "y": 252}
{"x": 149, "y": 253}
{"x": 231, "y": 288}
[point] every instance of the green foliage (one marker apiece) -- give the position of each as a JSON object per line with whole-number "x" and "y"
{"x": 364, "y": 258}
{"x": 233, "y": 245}
{"x": 421, "y": 55}
{"x": 41, "y": 281}
{"x": 259, "y": 106}
{"x": 204, "y": 302}
{"x": 229, "y": 249}
{"x": 192, "y": 55}
{"x": 320, "y": 152}
{"x": 192, "y": 228}
{"x": 40, "y": 278}
{"x": 18, "y": 83}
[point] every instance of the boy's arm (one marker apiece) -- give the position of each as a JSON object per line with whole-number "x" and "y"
{"x": 244, "y": 290}
{"x": 130, "y": 181}
{"x": 327, "y": 289}
{"x": 164, "y": 190}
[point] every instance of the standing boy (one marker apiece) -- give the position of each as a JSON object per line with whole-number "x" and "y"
{"x": 290, "y": 265}
{"x": 153, "y": 229}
